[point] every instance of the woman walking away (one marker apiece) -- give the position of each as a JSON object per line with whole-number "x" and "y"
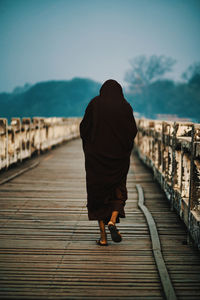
{"x": 107, "y": 130}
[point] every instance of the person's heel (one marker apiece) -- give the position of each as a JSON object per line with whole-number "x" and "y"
{"x": 99, "y": 242}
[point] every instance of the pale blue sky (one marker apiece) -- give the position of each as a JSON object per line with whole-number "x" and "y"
{"x": 60, "y": 39}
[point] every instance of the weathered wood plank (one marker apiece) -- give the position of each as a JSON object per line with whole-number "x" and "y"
{"x": 182, "y": 260}
{"x": 163, "y": 272}
{"x": 47, "y": 244}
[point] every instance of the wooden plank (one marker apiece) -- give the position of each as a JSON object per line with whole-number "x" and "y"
{"x": 164, "y": 275}
{"x": 182, "y": 260}
{"x": 47, "y": 244}
{"x": 33, "y": 165}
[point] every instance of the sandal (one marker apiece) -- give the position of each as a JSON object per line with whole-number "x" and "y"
{"x": 98, "y": 242}
{"x": 115, "y": 235}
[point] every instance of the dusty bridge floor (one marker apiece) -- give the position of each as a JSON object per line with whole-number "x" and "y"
{"x": 47, "y": 244}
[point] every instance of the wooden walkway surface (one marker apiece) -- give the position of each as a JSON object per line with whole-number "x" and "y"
{"x": 47, "y": 244}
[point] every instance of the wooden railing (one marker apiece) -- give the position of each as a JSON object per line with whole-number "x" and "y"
{"x": 172, "y": 150}
{"x": 21, "y": 139}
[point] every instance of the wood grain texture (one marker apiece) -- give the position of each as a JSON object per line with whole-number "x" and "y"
{"x": 182, "y": 260}
{"x": 157, "y": 252}
{"x": 47, "y": 244}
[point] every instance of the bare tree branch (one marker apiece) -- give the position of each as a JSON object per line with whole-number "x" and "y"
{"x": 146, "y": 70}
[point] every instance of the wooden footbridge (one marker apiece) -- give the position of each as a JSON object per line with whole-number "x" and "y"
{"x": 47, "y": 244}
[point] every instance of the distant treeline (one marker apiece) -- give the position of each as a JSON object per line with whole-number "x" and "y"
{"x": 51, "y": 98}
{"x": 70, "y": 98}
{"x": 168, "y": 97}
{"x": 152, "y": 95}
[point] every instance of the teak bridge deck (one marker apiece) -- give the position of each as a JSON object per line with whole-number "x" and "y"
{"x": 48, "y": 249}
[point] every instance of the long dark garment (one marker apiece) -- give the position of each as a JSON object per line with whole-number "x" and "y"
{"x": 107, "y": 130}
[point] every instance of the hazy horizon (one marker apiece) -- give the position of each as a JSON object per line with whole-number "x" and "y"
{"x": 59, "y": 40}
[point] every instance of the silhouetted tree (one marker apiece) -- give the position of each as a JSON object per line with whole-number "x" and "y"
{"x": 195, "y": 81}
{"x": 21, "y": 89}
{"x": 192, "y": 71}
{"x": 146, "y": 70}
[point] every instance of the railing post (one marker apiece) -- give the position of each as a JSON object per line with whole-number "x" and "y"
{"x": 162, "y": 150}
{"x": 4, "y": 160}
{"x": 7, "y": 158}
{"x": 20, "y": 141}
{"x": 191, "y": 187}
{"x": 173, "y": 164}
{"x": 29, "y": 136}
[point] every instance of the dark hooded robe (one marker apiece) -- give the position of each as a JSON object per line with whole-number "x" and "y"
{"x": 107, "y": 130}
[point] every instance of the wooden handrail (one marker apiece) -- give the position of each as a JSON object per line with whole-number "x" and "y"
{"x": 22, "y": 138}
{"x": 172, "y": 150}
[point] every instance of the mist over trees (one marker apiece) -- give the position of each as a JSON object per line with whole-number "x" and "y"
{"x": 145, "y": 70}
{"x": 191, "y": 72}
{"x": 66, "y": 98}
{"x": 151, "y": 93}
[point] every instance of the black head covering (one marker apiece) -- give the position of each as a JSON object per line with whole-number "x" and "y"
{"x": 112, "y": 89}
